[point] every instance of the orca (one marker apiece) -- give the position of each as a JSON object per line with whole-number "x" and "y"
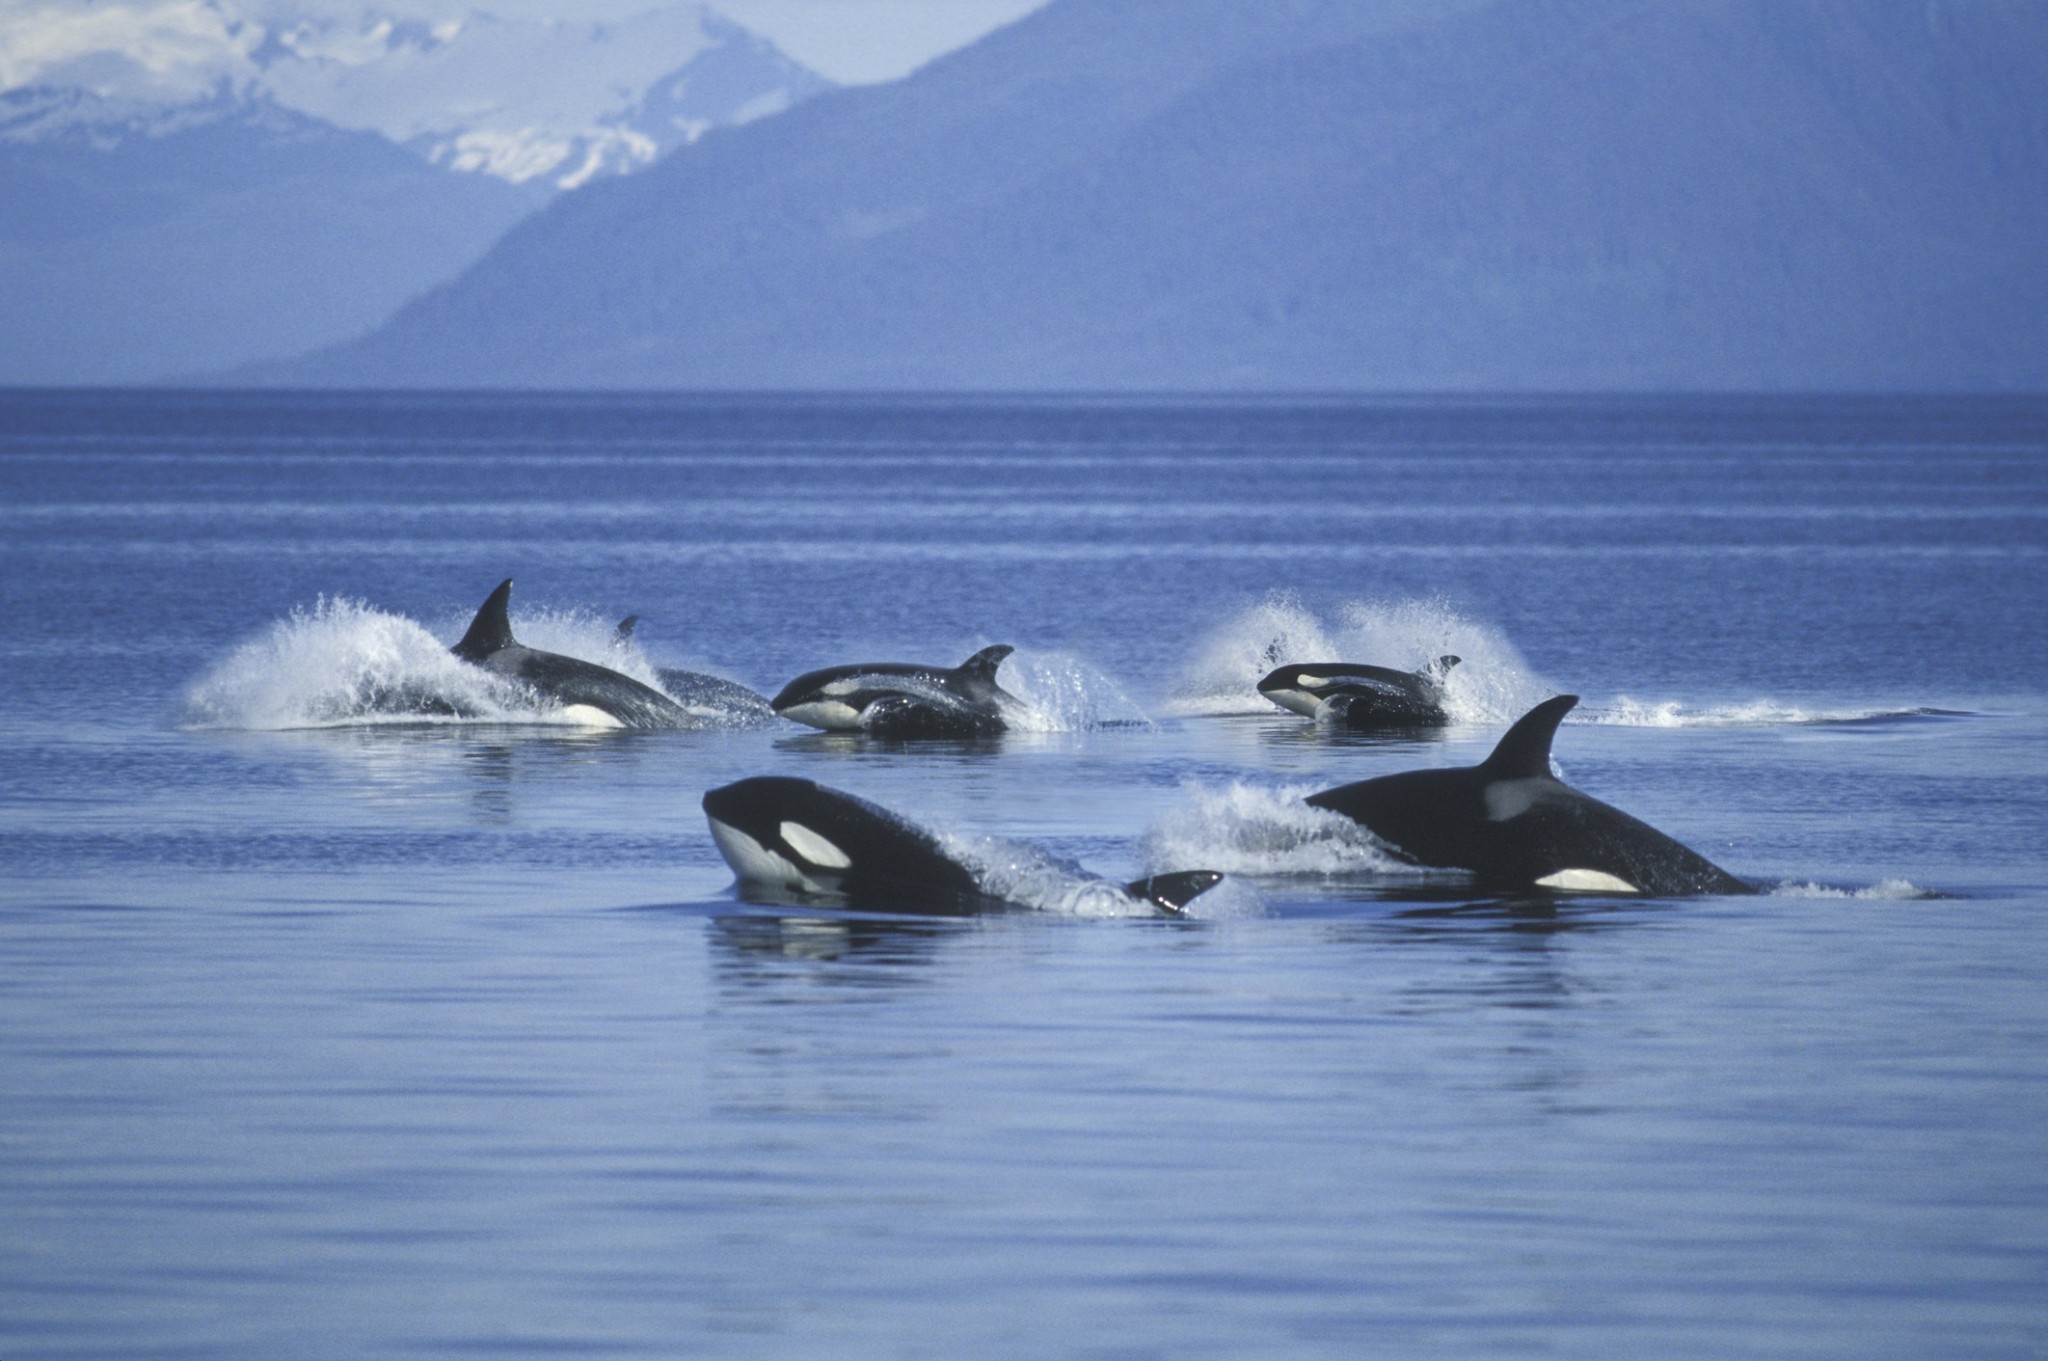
{"x": 583, "y": 690}
{"x": 798, "y": 836}
{"x": 1354, "y": 695}
{"x": 901, "y": 699}
{"x": 695, "y": 690}
{"x": 1516, "y": 826}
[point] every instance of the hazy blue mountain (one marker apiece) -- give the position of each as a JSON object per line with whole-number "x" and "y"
{"x": 1344, "y": 194}
{"x": 138, "y": 242}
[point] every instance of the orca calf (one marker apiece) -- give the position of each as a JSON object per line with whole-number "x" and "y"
{"x": 785, "y": 833}
{"x": 901, "y": 699}
{"x": 584, "y": 690}
{"x": 1354, "y": 695}
{"x": 1515, "y": 825}
{"x": 695, "y": 690}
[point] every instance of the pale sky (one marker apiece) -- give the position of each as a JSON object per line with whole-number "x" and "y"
{"x": 850, "y": 41}
{"x": 862, "y": 41}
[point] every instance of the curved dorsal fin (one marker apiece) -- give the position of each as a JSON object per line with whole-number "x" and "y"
{"x": 491, "y": 630}
{"x": 982, "y": 665}
{"x": 1525, "y": 752}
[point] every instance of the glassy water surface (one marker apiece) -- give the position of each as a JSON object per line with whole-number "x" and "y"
{"x": 333, "y": 1036}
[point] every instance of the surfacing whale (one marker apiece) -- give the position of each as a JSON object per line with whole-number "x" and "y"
{"x": 583, "y": 690}
{"x": 801, "y": 837}
{"x": 1355, "y": 695}
{"x": 697, "y": 691}
{"x": 1514, "y": 825}
{"x": 902, "y": 699}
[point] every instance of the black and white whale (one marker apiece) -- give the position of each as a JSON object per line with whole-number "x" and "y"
{"x": 696, "y": 691}
{"x": 1514, "y": 825}
{"x": 1354, "y": 695}
{"x": 798, "y": 836}
{"x": 902, "y": 699}
{"x": 582, "y": 690}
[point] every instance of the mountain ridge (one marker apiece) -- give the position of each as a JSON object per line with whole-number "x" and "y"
{"x": 1762, "y": 194}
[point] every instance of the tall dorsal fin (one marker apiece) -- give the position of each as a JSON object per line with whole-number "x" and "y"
{"x": 1525, "y": 752}
{"x": 491, "y": 630}
{"x": 982, "y": 665}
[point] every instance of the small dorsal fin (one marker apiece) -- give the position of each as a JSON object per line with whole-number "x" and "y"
{"x": 491, "y": 630}
{"x": 627, "y": 625}
{"x": 1525, "y": 752}
{"x": 1171, "y": 893}
{"x": 982, "y": 665}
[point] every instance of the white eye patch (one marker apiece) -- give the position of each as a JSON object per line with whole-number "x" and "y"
{"x": 1586, "y": 881}
{"x": 813, "y": 847}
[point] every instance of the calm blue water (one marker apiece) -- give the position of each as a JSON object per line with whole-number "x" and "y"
{"x": 332, "y": 1038}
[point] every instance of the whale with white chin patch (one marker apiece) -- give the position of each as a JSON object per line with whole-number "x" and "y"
{"x": 580, "y": 690}
{"x": 799, "y": 837}
{"x": 902, "y": 699}
{"x": 1514, "y": 825}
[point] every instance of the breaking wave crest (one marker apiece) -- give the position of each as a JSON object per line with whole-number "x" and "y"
{"x": 1260, "y": 830}
{"x": 1493, "y": 684}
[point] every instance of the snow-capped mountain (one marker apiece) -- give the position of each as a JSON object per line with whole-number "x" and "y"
{"x": 191, "y": 185}
{"x": 519, "y": 99}
{"x": 525, "y": 99}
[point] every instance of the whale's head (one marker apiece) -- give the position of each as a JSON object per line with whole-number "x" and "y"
{"x": 780, "y": 831}
{"x": 1296, "y": 688}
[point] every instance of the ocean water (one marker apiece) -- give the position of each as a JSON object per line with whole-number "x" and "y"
{"x": 328, "y": 1035}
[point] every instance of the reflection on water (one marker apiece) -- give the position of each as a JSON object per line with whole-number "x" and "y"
{"x": 865, "y": 744}
{"x": 747, "y": 949}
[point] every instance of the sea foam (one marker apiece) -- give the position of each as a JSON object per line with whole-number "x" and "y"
{"x": 1245, "y": 828}
{"x": 343, "y": 662}
{"x": 1492, "y": 684}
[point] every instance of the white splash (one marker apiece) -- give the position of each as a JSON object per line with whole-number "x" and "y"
{"x": 1029, "y": 877}
{"x": 1254, "y": 829}
{"x": 343, "y": 661}
{"x": 1063, "y": 693}
{"x": 1890, "y": 890}
{"x": 1493, "y": 684}
{"x": 1627, "y": 712}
